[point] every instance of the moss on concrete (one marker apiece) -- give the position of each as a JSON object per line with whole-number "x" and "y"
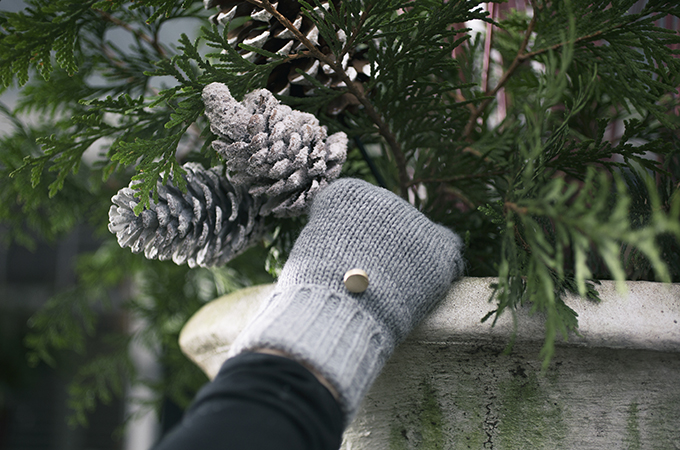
{"x": 631, "y": 439}
{"x": 426, "y": 431}
{"x": 662, "y": 426}
{"x": 431, "y": 420}
{"x": 528, "y": 416}
{"x": 469, "y": 400}
{"x": 398, "y": 440}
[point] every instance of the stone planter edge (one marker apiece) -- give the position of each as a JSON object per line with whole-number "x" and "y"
{"x": 646, "y": 317}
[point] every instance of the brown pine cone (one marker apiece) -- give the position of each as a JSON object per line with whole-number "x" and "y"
{"x": 261, "y": 30}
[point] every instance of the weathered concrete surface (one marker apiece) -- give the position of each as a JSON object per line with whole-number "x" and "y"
{"x": 459, "y": 397}
{"x": 647, "y": 316}
{"x": 450, "y": 385}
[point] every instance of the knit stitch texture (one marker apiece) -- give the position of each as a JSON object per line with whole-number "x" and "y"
{"x": 348, "y": 337}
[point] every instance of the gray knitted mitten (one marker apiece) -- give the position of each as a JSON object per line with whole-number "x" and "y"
{"x": 346, "y": 336}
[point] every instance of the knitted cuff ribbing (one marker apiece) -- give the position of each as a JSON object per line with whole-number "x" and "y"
{"x": 326, "y": 329}
{"x": 347, "y": 337}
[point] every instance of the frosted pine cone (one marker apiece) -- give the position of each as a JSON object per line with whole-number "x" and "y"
{"x": 276, "y": 152}
{"x": 261, "y": 30}
{"x": 206, "y": 226}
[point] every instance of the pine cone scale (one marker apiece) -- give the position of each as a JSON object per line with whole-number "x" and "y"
{"x": 276, "y": 161}
{"x": 262, "y": 30}
{"x": 207, "y": 225}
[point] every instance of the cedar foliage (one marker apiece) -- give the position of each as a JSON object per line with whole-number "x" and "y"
{"x": 522, "y": 164}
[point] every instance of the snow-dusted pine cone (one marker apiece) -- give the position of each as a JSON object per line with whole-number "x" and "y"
{"x": 263, "y": 31}
{"x": 273, "y": 150}
{"x": 207, "y": 226}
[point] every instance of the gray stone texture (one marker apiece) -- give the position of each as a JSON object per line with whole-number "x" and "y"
{"x": 451, "y": 385}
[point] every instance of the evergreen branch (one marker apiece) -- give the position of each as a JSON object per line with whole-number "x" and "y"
{"x": 336, "y": 64}
{"x": 549, "y": 238}
{"x": 523, "y": 56}
{"x": 66, "y": 322}
{"x": 100, "y": 379}
{"x": 32, "y": 35}
{"x": 386, "y": 133}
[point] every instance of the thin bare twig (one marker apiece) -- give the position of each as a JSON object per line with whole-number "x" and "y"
{"x": 140, "y": 35}
{"x": 195, "y": 140}
{"x": 355, "y": 33}
{"x": 458, "y": 194}
{"x": 486, "y": 69}
{"x": 562, "y": 44}
{"x": 106, "y": 50}
{"x": 456, "y": 178}
{"x": 383, "y": 127}
{"x": 523, "y": 210}
{"x": 467, "y": 131}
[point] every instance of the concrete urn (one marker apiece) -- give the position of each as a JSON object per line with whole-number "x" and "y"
{"x": 451, "y": 385}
